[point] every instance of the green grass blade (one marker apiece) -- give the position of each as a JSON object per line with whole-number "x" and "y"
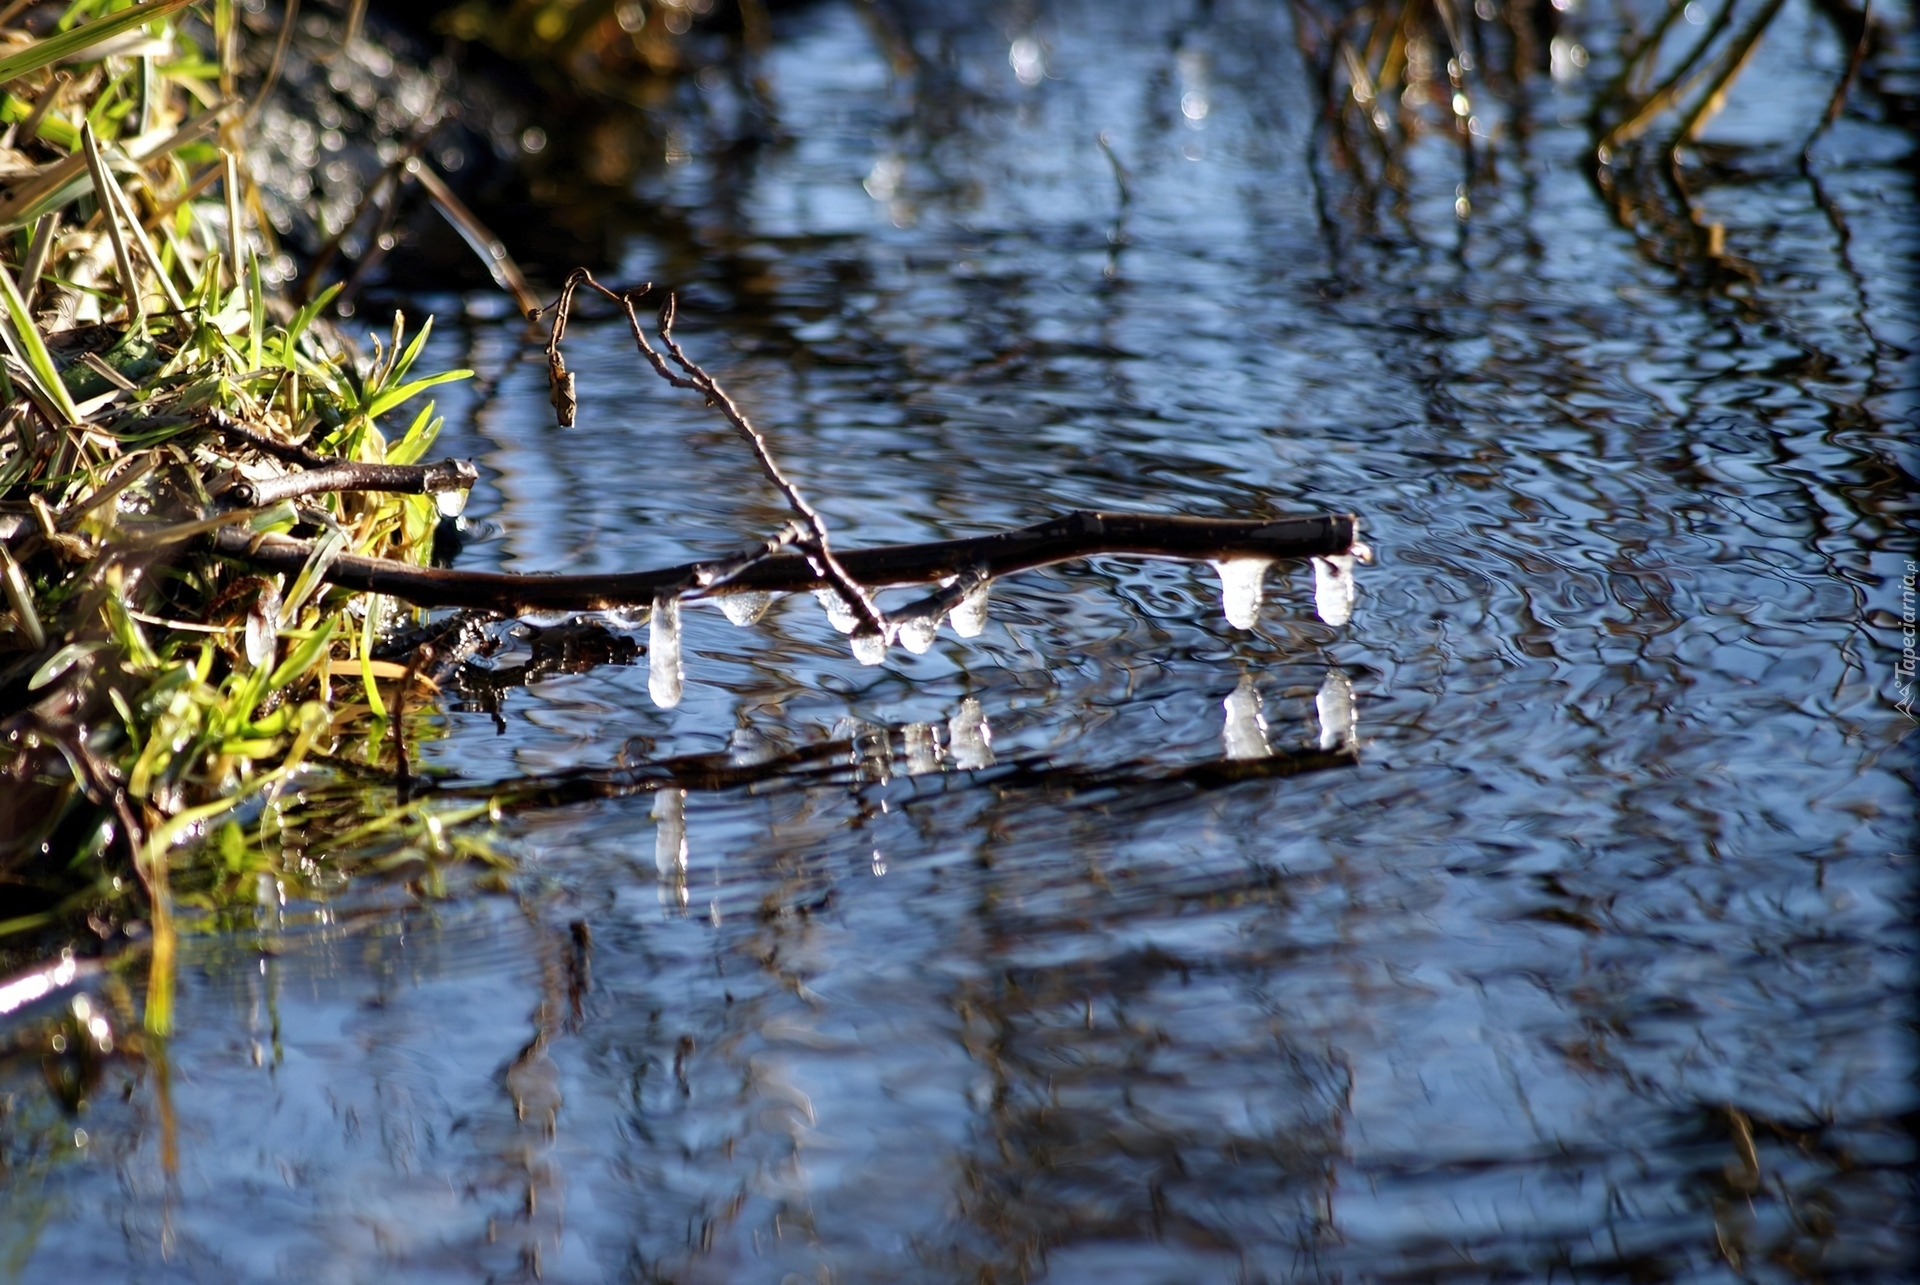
{"x": 256, "y": 314}
{"x": 374, "y": 703}
{"x": 304, "y": 318}
{"x": 393, "y": 397}
{"x": 45, "y": 53}
{"x": 33, "y": 350}
{"x": 419, "y": 436}
{"x": 405, "y": 362}
{"x": 303, "y": 657}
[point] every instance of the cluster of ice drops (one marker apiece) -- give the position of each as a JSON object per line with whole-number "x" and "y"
{"x": 1242, "y": 583}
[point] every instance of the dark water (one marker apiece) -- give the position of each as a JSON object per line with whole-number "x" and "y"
{"x": 1594, "y": 966}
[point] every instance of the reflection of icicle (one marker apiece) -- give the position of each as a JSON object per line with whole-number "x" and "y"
{"x": 869, "y": 748}
{"x": 1240, "y": 585}
{"x": 664, "y": 670}
{"x": 670, "y": 846}
{"x": 869, "y": 648}
{"x": 970, "y": 617}
{"x": 918, "y": 632}
{"x": 750, "y": 747}
{"x": 1245, "y": 734}
{"x": 1339, "y": 723}
{"x": 1334, "y": 589}
{"x": 745, "y": 608}
{"x": 873, "y": 755}
{"x": 923, "y": 749}
{"x": 839, "y": 614}
{"x": 969, "y": 736}
{"x": 879, "y": 864}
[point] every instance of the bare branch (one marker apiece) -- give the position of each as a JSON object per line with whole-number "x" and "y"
{"x": 347, "y": 475}
{"x": 817, "y": 548}
{"x": 560, "y": 386}
{"x": 1082, "y": 534}
{"x": 710, "y": 575}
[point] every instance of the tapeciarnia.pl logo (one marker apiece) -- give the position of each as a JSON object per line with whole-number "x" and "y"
{"x": 1903, "y": 670}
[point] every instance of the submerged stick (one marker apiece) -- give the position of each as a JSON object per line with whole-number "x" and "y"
{"x": 1082, "y": 534}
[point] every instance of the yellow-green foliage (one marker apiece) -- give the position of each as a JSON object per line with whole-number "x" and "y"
{"x": 169, "y": 723}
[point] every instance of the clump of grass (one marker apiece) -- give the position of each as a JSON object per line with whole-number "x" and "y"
{"x": 165, "y": 717}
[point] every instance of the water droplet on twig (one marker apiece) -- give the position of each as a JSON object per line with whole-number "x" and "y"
{"x": 262, "y": 642}
{"x": 839, "y": 614}
{"x": 917, "y": 633}
{"x": 1240, "y": 588}
{"x": 745, "y": 609}
{"x": 670, "y": 846}
{"x": 970, "y": 617}
{"x": 664, "y": 670}
{"x": 1334, "y": 588}
{"x": 869, "y": 648}
{"x": 625, "y": 617}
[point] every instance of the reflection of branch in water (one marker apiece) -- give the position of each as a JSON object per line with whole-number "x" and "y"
{"x": 1377, "y": 71}
{"x": 840, "y": 762}
{"x": 1124, "y": 1090}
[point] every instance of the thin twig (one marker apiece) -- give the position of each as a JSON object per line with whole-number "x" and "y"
{"x": 1676, "y": 86}
{"x": 492, "y": 251}
{"x": 817, "y": 549}
{"x": 711, "y": 575}
{"x": 402, "y": 772}
{"x": 288, "y": 18}
{"x": 560, "y": 385}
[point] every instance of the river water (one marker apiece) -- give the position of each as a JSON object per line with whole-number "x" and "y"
{"x": 1591, "y": 961}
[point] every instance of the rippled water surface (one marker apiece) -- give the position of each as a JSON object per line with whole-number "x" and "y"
{"x": 1590, "y": 961}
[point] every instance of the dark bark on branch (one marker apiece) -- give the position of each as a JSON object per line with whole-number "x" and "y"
{"x": 405, "y": 479}
{"x": 1082, "y": 534}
